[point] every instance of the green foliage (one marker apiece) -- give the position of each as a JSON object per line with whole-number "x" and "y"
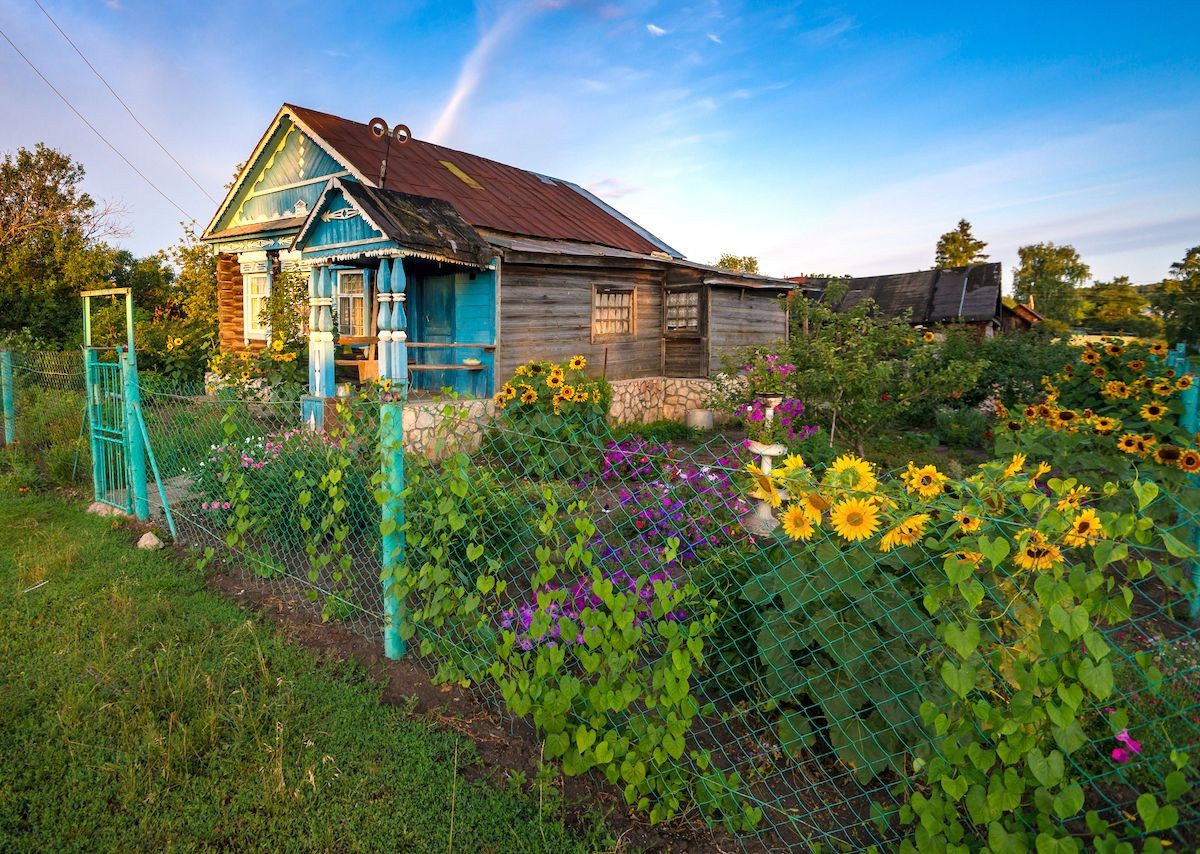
{"x": 1118, "y": 306}
{"x": 857, "y": 371}
{"x": 1052, "y": 275}
{"x": 663, "y": 430}
{"x": 1015, "y": 363}
{"x": 959, "y": 248}
{"x": 52, "y": 447}
{"x": 961, "y": 428}
{"x": 738, "y": 263}
{"x": 1178, "y": 300}
{"x": 171, "y": 721}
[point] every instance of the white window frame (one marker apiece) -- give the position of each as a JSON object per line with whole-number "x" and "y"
{"x": 252, "y": 304}
{"x": 360, "y": 296}
{"x": 605, "y": 300}
{"x": 694, "y": 325}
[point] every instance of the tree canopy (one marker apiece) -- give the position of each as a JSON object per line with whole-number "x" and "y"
{"x": 1178, "y": 300}
{"x": 959, "y": 247}
{"x": 1118, "y": 306}
{"x": 738, "y": 263}
{"x": 1051, "y": 275}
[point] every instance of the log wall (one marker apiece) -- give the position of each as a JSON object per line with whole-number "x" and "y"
{"x": 740, "y": 317}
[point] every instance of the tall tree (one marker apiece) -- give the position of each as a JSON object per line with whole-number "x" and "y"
{"x": 1178, "y": 300}
{"x": 51, "y": 247}
{"x": 959, "y": 247}
{"x": 738, "y": 263}
{"x": 1052, "y": 275}
{"x": 1118, "y": 306}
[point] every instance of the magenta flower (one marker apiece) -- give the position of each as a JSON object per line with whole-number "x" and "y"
{"x": 1120, "y": 754}
{"x": 1129, "y": 747}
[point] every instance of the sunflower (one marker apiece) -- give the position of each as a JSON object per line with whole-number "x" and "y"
{"x": 973, "y": 558}
{"x": 925, "y": 481}
{"x": 1136, "y": 365}
{"x": 1035, "y": 552}
{"x": 595, "y": 395}
{"x": 851, "y": 472}
{"x": 1044, "y": 411}
{"x": 1073, "y": 500}
{"x": 276, "y": 345}
{"x": 529, "y": 395}
{"x": 1090, "y": 357}
{"x": 507, "y": 392}
{"x": 1128, "y": 443}
{"x": 522, "y": 371}
{"x": 855, "y": 518}
{"x": 1116, "y": 390}
{"x": 577, "y": 363}
{"x": 1145, "y": 442}
{"x": 1042, "y": 468}
{"x": 501, "y": 400}
{"x": 928, "y": 337}
{"x": 1085, "y": 529}
{"x": 567, "y": 392}
{"x": 1168, "y": 455}
{"x": 1104, "y": 425}
{"x": 1169, "y": 373}
{"x": 796, "y": 523}
{"x": 814, "y": 504}
{"x": 967, "y": 523}
{"x": 1163, "y": 387}
{"x": 1017, "y": 463}
{"x": 905, "y": 533}
{"x": 765, "y": 489}
{"x": 1030, "y": 412}
{"x": 554, "y": 380}
{"x": 1184, "y": 382}
{"x": 535, "y": 368}
{"x": 1099, "y": 372}
{"x": 1001, "y": 410}
{"x": 1158, "y": 348}
{"x": 1013, "y": 425}
{"x": 1114, "y": 350}
{"x": 793, "y": 462}
{"x": 1153, "y": 411}
{"x": 1065, "y": 416}
{"x": 1189, "y": 461}
{"x": 556, "y": 404}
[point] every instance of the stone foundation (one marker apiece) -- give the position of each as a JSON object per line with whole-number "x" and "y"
{"x": 655, "y": 398}
{"x": 437, "y": 429}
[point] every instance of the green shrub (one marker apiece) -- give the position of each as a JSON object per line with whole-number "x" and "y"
{"x": 961, "y": 428}
{"x": 663, "y": 430}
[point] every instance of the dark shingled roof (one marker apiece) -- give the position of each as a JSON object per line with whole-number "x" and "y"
{"x": 418, "y": 222}
{"x": 502, "y": 198}
{"x": 958, "y": 294}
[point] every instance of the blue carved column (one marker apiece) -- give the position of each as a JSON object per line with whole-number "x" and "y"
{"x": 320, "y": 347}
{"x": 393, "y": 377}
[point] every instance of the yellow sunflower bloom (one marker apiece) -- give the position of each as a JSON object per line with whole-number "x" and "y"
{"x": 555, "y": 380}
{"x": 522, "y": 371}
{"x": 1090, "y": 357}
{"x": 1189, "y": 461}
{"x": 577, "y": 363}
{"x": 1104, "y": 425}
{"x": 529, "y": 395}
{"x": 1014, "y": 467}
{"x": 1168, "y": 455}
{"x": 1184, "y": 382}
{"x": 928, "y": 337}
{"x": 796, "y": 523}
{"x": 967, "y": 523}
{"x": 1085, "y": 529}
{"x": 973, "y": 558}
{"x": 1114, "y": 350}
{"x": 1128, "y": 443}
{"x": 815, "y": 504}
{"x": 851, "y": 473}
{"x": 925, "y": 481}
{"x": 766, "y": 489}
{"x": 1035, "y": 553}
{"x": 567, "y": 392}
{"x": 1073, "y": 500}
{"x": 855, "y": 518}
{"x": 905, "y": 533}
{"x": 1158, "y": 348}
{"x": 793, "y": 462}
{"x": 1163, "y": 387}
{"x": 1153, "y": 411}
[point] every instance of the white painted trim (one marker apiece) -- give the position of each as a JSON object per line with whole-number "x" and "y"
{"x": 319, "y": 180}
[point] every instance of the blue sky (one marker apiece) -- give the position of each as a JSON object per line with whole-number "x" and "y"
{"x": 820, "y": 137}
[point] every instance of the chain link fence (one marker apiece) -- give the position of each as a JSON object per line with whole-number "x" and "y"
{"x": 617, "y": 588}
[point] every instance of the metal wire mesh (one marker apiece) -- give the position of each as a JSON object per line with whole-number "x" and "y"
{"x": 817, "y": 654}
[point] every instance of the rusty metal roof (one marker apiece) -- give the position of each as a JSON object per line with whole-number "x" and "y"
{"x": 485, "y": 193}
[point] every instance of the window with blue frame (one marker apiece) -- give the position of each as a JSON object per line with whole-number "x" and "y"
{"x": 351, "y": 303}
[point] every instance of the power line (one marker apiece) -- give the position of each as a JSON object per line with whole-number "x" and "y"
{"x": 103, "y": 139}
{"x": 121, "y": 101}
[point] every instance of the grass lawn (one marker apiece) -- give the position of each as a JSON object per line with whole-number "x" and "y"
{"x": 140, "y": 711}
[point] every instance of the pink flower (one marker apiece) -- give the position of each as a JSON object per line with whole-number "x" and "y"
{"x": 204, "y": 506}
{"x": 225, "y": 506}
{"x": 1128, "y": 740}
{"x": 1120, "y": 754}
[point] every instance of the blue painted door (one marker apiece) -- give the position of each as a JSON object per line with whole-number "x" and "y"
{"x": 436, "y": 327}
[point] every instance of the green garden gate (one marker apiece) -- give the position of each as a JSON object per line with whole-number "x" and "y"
{"x": 119, "y": 442}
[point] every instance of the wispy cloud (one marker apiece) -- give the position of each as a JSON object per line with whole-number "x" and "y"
{"x": 475, "y": 66}
{"x": 611, "y": 188}
{"x": 655, "y": 30}
{"x": 714, "y": 38}
{"x": 827, "y": 33}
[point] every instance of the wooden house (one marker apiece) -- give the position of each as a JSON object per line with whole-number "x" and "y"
{"x": 964, "y": 297}
{"x": 502, "y": 265}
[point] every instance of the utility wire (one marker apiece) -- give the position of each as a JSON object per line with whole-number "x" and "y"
{"x": 121, "y": 101}
{"x": 103, "y": 139}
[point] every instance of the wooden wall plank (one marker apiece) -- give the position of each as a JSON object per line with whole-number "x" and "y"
{"x": 739, "y": 318}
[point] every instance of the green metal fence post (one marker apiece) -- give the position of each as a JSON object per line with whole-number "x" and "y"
{"x": 135, "y": 448}
{"x": 393, "y": 367}
{"x": 6, "y": 392}
{"x": 91, "y": 361}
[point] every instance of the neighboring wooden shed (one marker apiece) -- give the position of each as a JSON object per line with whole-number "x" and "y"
{"x": 959, "y": 296}
{"x": 504, "y": 265}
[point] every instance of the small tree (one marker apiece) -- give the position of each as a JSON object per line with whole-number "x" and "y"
{"x": 738, "y": 263}
{"x": 959, "y": 248}
{"x": 1178, "y": 300}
